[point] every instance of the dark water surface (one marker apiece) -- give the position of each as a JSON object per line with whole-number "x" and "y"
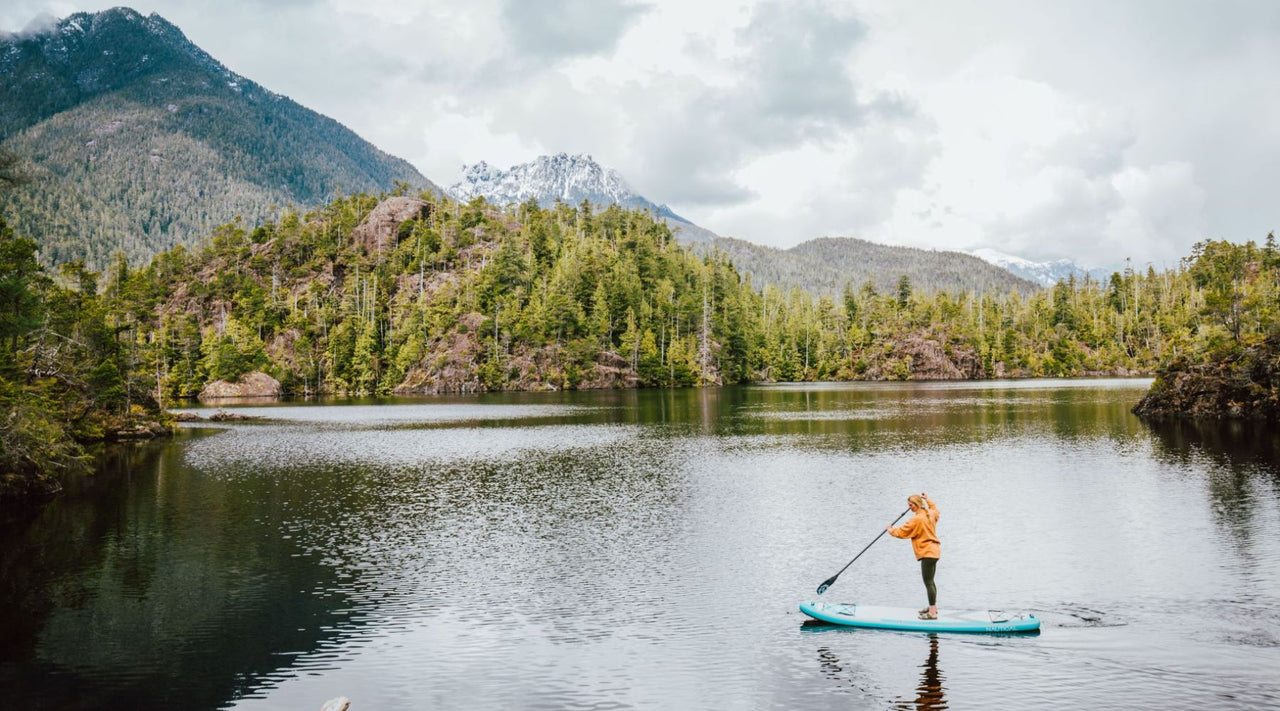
{"x": 648, "y": 549}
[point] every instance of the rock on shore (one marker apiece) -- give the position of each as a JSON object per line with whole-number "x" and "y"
{"x": 141, "y": 430}
{"x": 254, "y": 384}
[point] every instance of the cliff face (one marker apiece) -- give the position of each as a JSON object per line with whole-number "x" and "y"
{"x": 1244, "y": 385}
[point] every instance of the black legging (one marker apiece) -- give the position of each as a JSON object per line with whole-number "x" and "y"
{"x": 929, "y": 566}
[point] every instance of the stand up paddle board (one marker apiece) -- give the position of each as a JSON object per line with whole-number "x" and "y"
{"x": 903, "y": 618}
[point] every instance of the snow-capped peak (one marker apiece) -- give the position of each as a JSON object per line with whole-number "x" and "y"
{"x": 570, "y": 178}
{"x": 565, "y": 178}
{"x": 1043, "y": 273}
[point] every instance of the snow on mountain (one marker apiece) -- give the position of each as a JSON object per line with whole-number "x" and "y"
{"x": 1043, "y": 273}
{"x": 567, "y": 178}
{"x": 563, "y": 177}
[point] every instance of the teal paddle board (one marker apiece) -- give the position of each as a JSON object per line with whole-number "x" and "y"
{"x": 903, "y": 618}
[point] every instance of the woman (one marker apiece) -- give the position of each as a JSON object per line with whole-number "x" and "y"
{"x": 922, "y": 529}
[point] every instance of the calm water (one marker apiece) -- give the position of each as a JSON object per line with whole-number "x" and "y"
{"x": 648, "y": 550}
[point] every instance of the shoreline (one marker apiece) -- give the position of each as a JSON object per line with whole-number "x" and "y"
{"x": 189, "y": 404}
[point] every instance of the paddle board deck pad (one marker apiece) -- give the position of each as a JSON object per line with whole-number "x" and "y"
{"x": 903, "y": 618}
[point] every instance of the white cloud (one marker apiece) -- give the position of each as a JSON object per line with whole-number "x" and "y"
{"x": 558, "y": 29}
{"x": 1094, "y": 130}
{"x": 1159, "y": 205}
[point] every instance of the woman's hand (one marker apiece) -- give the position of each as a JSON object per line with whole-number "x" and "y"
{"x": 924, "y": 495}
{"x": 889, "y": 527}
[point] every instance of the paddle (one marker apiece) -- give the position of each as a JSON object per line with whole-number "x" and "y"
{"x": 823, "y": 587}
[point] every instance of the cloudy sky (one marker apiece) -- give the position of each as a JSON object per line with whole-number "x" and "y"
{"x": 1096, "y": 130}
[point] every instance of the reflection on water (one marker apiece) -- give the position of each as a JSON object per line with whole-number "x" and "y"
{"x": 647, "y": 550}
{"x": 1243, "y": 460}
{"x": 144, "y": 586}
{"x": 930, "y": 694}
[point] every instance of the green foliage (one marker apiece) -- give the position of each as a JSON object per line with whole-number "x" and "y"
{"x": 35, "y": 445}
{"x": 904, "y": 291}
{"x": 19, "y": 298}
{"x": 1221, "y": 270}
{"x": 230, "y": 350}
{"x": 1239, "y": 291}
{"x": 71, "y": 365}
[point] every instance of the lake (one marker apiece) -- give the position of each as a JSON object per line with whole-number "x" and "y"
{"x": 648, "y": 549}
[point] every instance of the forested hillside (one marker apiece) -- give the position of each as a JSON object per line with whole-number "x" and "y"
{"x": 137, "y": 140}
{"x": 828, "y": 264}
{"x": 469, "y": 298}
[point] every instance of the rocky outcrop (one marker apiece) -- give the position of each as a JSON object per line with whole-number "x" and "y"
{"x": 379, "y": 231}
{"x": 255, "y": 384}
{"x": 450, "y": 365}
{"x": 1243, "y": 385}
{"x": 451, "y": 368}
{"x": 932, "y": 360}
{"x": 224, "y": 416}
{"x": 219, "y": 416}
{"x": 612, "y": 372}
{"x": 140, "y": 430}
{"x": 924, "y": 356}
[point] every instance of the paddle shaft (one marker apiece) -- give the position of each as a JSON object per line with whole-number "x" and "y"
{"x": 823, "y": 587}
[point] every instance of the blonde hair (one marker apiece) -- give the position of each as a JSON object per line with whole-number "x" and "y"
{"x": 918, "y": 501}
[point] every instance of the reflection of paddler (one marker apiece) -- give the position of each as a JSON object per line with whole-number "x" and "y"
{"x": 922, "y": 529}
{"x": 929, "y": 696}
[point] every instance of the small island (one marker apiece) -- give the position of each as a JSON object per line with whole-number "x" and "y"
{"x": 1231, "y": 369}
{"x": 1244, "y": 385}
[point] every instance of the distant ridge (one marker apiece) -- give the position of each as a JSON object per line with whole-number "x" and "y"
{"x": 827, "y": 264}
{"x": 138, "y": 140}
{"x": 566, "y": 178}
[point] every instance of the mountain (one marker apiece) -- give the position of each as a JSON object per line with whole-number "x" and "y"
{"x": 826, "y": 265}
{"x": 1042, "y": 273}
{"x": 820, "y": 266}
{"x": 568, "y": 179}
{"x": 137, "y": 140}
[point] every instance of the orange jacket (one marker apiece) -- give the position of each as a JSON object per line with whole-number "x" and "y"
{"x": 922, "y": 529}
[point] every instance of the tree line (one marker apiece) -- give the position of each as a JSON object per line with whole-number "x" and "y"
{"x": 472, "y": 297}
{"x": 476, "y": 297}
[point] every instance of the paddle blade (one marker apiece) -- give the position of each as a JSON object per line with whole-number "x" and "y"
{"x": 823, "y": 587}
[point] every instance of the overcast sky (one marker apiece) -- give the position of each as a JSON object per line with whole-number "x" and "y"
{"x": 1092, "y": 130}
